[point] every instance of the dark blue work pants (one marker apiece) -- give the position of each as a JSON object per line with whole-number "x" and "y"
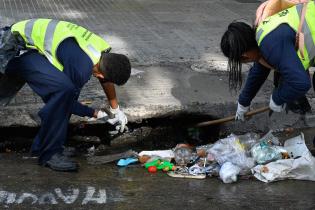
{"x": 59, "y": 95}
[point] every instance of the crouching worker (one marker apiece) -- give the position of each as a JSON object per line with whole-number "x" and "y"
{"x": 272, "y": 46}
{"x": 59, "y": 60}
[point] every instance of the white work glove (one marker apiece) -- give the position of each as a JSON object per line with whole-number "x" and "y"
{"x": 100, "y": 116}
{"x": 240, "y": 112}
{"x": 120, "y": 119}
{"x": 276, "y": 108}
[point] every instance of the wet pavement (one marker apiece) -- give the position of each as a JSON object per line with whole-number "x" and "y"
{"x": 25, "y": 185}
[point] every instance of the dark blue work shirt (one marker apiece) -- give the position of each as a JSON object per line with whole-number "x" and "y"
{"x": 278, "y": 49}
{"x": 78, "y": 67}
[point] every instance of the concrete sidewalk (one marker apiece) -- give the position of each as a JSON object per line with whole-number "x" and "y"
{"x": 173, "y": 46}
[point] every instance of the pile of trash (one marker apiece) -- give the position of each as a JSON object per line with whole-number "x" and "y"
{"x": 234, "y": 156}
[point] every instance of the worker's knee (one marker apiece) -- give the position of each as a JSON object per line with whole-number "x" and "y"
{"x": 68, "y": 89}
{"x": 306, "y": 85}
{"x": 302, "y": 85}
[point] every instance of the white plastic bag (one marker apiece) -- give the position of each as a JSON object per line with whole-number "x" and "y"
{"x": 228, "y": 172}
{"x": 302, "y": 168}
{"x": 231, "y": 150}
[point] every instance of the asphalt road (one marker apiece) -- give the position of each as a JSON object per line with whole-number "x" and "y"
{"x": 25, "y": 185}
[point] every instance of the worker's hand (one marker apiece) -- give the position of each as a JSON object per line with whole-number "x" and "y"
{"x": 120, "y": 119}
{"x": 240, "y": 113}
{"x": 99, "y": 115}
{"x": 274, "y": 107}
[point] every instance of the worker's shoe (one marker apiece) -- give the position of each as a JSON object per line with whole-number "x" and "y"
{"x": 60, "y": 162}
{"x": 299, "y": 106}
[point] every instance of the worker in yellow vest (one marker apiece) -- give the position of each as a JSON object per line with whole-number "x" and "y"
{"x": 272, "y": 46}
{"x": 59, "y": 61}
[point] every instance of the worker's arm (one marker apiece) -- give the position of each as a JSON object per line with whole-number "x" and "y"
{"x": 256, "y": 77}
{"x": 110, "y": 92}
{"x": 77, "y": 66}
{"x": 278, "y": 48}
{"x": 120, "y": 117}
{"x": 83, "y": 110}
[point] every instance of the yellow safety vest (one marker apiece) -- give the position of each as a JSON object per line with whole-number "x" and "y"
{"x": 291, "y": 17}
{"x": 45, "y": 35}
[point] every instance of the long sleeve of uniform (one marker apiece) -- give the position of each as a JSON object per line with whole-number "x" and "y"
{"x": 78, "y": 67}
{"x": 82, "y": 110}
{"x": 256, "y": 77}
{"x": 278, "y": 48}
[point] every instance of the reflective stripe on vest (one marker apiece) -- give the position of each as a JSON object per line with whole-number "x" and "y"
{"x": 50, "y": 31}
{"x": 308, "y": 39}
{"x": 28, "y": 31}
{"x": 291, "y": 17}
{"x": 45, "y": 35}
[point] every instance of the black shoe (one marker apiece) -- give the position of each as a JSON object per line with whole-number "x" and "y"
{"x": 59, "y": 162}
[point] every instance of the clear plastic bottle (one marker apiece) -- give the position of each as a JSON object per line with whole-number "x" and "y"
{"x": 183, "y": 155}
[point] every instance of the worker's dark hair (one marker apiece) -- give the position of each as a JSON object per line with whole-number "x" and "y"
{"x": 238, "y": 39}
{"x": 115, "y": 67}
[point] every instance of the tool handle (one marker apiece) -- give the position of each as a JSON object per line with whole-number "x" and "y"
{"x": 110, "y": 115}
{"x": 230, "y": 118}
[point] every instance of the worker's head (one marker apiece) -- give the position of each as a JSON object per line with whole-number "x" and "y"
{"x": 113, "y": 68}
{"x": 239, "y": 45}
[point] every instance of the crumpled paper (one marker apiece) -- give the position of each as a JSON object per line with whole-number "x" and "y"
{"x": 301, "y": 165}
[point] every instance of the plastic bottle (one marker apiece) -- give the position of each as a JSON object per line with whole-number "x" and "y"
{"x": 183, "y": 155}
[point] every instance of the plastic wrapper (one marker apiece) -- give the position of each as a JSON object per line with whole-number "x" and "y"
{"x": 270, "y": 138}
{"x": 163, "y": 154}
{"x": 212, "y": 169}
{"x": 248, "y": 140}
{"x": 230, "y": 150}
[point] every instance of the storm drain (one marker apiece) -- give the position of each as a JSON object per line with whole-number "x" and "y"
{"x": 164, "y": 132}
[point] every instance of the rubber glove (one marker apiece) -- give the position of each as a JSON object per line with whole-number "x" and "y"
{"x": 100, "y": 116}
{"x": 120, "y": 119}
{"x": 274, "y": 107}
{"x": 240, "y": 112}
